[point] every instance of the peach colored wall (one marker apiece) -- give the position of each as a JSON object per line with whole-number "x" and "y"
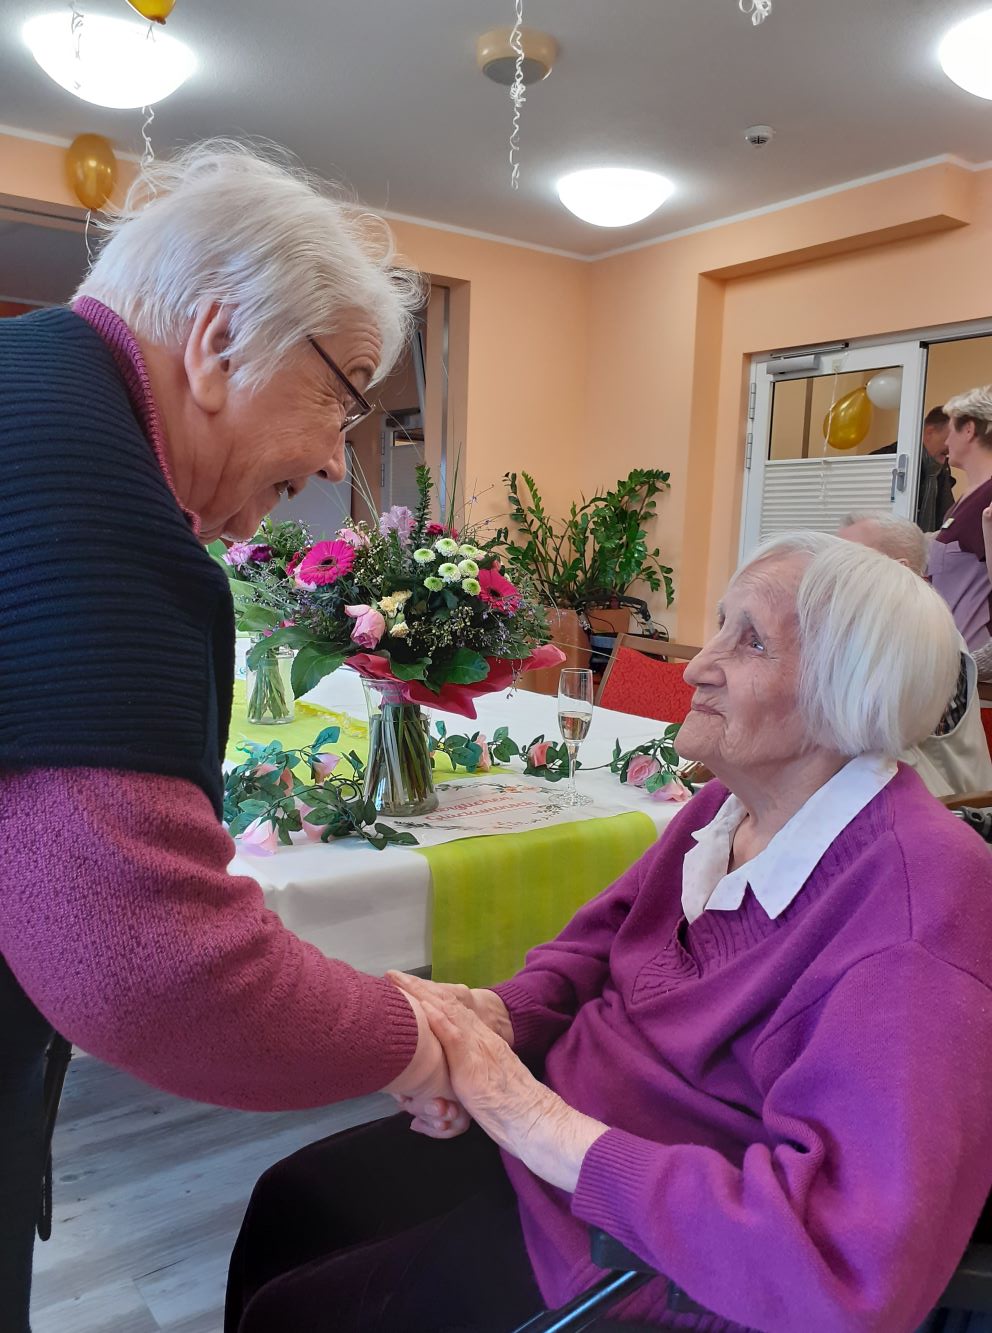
{"x": 580, "y": 371}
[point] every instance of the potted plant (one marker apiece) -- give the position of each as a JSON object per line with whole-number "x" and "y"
{"x": 592, "y": 557}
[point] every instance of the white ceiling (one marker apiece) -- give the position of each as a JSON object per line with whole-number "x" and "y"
{"x": 384, "y": 95}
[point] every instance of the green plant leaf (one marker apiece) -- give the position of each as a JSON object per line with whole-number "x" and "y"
{"x": 312, "y": 663}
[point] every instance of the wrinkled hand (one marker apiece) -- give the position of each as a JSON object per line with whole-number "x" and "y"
{"x": 488, "y": 1080}
{"x": 485, "y": 1004}
{"x": 423, "y": 1088}
{"x": 519, "y": 1113}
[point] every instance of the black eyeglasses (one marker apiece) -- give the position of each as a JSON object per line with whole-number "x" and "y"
{"x": 356, "y": 406}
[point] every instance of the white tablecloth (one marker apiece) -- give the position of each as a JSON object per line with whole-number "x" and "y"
{"x": 373, "y": 908}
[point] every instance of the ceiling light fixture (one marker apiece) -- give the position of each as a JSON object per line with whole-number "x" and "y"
{"x": 497, "y": 57}
{"x": 964, "y": 54}
{"x": 108, "y": 61}
{"x": 613, "y": 196}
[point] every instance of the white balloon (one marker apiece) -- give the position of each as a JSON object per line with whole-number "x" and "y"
{"x": 885, "y": 389}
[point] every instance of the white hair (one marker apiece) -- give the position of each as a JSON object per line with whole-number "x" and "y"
{"x": 898, "y": 538}
{"x": 229, "y": 222}
{"x": 879, "y": 655}
{"x": 975, "y": 405}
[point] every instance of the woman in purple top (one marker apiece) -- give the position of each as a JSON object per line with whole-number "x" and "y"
{"x": 762, "y": 1059}
{"x": 957, "y": 567}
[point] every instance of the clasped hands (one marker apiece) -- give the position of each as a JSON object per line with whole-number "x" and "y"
{"x": 491, "y": 1085}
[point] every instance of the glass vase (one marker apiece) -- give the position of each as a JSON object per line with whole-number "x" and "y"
{"x": 269, "y": 689}
{"x": 399, "y": 778}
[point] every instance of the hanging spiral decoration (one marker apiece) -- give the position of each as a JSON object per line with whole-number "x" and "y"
{"x": 518, "y": 90}
{"x": 757, "y": 9}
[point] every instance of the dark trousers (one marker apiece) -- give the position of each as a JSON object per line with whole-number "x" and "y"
{"x": 24, "y": 1036}
{"x": 381, "y": 1229}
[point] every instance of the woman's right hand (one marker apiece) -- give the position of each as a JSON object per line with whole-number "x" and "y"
{"x": 485, "y": 1004}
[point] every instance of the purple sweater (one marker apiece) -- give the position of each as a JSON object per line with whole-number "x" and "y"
{"x": 800, "y": 1110}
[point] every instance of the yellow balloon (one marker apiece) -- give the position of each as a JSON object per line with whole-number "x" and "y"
{"x": 848, "y": 421}
{"x": 156, "y": 10}
{"x": 91, "y": 169}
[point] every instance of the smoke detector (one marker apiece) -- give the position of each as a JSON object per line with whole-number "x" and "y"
{"x": 498, "y": 61}
{"x": 758, "y": 135}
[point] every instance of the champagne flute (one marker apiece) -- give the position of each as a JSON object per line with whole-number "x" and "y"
{"x": 575, "y": 697}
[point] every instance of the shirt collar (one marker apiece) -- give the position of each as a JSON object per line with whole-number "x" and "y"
{"x": 778, "y": 872}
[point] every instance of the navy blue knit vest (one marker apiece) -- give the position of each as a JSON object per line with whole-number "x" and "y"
{"x": 116, "y": 627}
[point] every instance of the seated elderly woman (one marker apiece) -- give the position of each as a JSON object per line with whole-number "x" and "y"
{"x": 762, "y": 1059}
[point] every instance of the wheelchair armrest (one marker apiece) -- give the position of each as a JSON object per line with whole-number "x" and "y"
{"x": 971, "y": 1286}
{"x": 607, "y": 1252}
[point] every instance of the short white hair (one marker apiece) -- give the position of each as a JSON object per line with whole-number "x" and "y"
{"x": 879, "y": 655}
{"x": 976, "y": 405}
{"x": 287, "y": 255}
{"x": 898, "y": 538}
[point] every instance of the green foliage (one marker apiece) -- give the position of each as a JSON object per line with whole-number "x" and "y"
{"x": 335, "y": 804}
{"x": 663, "y": 751}
{"x": 600, "y": 549}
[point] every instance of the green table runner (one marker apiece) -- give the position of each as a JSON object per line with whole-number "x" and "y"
{"x": 496, "y": 897}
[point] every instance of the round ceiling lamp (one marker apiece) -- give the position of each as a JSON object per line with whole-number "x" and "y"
{"x": 110, "y": 62}
{"x": 613, "y": 196}
{"x": 964, "y": 54}
{"x": 497, "y": 58}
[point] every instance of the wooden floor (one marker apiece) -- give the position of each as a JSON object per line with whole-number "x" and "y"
{"x": 149, "y": 1193}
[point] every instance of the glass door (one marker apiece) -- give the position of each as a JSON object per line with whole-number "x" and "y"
{"x": 831, "y": 430}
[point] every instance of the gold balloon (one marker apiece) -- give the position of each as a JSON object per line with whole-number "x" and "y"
{"x": 848, "y": 421}
{"x": 156, "y": 10}
{"x": 91, "y": 169}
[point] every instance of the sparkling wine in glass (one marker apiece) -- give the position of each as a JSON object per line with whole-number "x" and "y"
{"x": 575, "y": 695}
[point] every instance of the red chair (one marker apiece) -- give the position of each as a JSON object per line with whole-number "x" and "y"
{"x": 635, "y": 681}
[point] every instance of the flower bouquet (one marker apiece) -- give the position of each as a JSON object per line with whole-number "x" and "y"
{"x": 257, "y": 570}
{"x": 425, "y": 613}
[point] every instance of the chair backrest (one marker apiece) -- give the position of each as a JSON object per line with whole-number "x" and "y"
{"x": 644, "y": 677}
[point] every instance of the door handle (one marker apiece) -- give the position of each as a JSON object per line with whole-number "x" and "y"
{"x": 900, "y": 476}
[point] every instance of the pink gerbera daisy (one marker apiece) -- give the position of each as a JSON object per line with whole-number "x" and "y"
{"x": 324, "y": 563}
{"x": 498, "y": 592}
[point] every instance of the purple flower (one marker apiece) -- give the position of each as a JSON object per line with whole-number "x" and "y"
{"x": 398, "y": 520}
{"x": 239, "y": 554}
{"x": 260, "y": 553}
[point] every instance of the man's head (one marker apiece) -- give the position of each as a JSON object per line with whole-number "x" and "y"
{"x": 936, "y": 424}
{"x": 897, "y": 538}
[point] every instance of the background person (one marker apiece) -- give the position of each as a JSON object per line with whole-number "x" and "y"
{"x": 936, "y": 485}
{"x": 955, "y": 759}
{"x": 172, "y": 404}
{"x": 763, "y": 1055}
{"x": 956, "y": 565}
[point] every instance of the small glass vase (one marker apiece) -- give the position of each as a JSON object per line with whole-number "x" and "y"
{"x": 269, "y": 689}
{"x": 398, "y": 778}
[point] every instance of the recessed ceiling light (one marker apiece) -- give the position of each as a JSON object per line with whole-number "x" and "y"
{"x": 965, "y": 51}
{"x": 613, "y": 196}
{"x": 110, "y": 62}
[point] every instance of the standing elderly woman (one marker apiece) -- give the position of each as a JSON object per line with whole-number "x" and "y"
{"x": 957, "y": 567}
{"x": 212, "y": 359}
{"x": 763, "y": 1056}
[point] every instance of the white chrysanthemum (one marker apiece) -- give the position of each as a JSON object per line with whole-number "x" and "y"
{"x": 446, "y": 545}
{"x": 472, "y": 586}
{"x": 433, "y": 583}
{"x": 449, "y": 572}
{"x": 424, "y": 555}
{"x": 468, "y": 568}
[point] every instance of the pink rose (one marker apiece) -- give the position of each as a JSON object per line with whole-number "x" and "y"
{"x": 370, "y": 626}
{"x": 313, "y": 831}
{"x": 485, "y": 760}
{"x": 538, "y": 754}
{"x": 323, "y": 765}
{"x": 285, "y": 778}
{"x": 640, "y": 769}
{"x": 259, "y": 838}
{"x": 673, "y": 791}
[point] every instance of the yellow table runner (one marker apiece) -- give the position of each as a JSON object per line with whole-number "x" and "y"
{"x": 496, "y": 897}
{"x": 493, "y": 897}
